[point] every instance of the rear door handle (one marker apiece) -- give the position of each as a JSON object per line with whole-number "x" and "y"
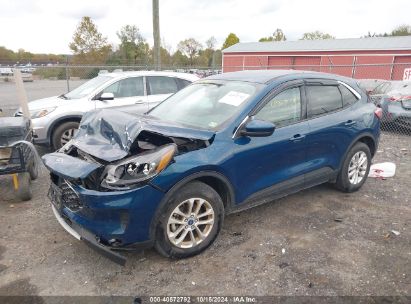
{"x": 297, "y": 137}
{"x": 139, "y": 101}
{"x": 350, "y": 122}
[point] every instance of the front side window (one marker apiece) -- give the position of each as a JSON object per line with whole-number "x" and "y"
{"x": 381, "y": 89}
{"x": 323, "y": 99}
{"x": 88, "y": 87}
{"x": 283, "y": 109}
{"x": 128, "y": 87}
{"x": 161, "y": 85}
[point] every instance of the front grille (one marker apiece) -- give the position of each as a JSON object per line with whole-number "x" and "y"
{"x": 69, "y": 197}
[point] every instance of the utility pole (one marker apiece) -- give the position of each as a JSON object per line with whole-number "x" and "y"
{"x": 156, "y": 33}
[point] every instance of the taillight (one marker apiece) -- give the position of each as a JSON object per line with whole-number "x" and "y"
{"x": 378, "y": 112}
{"x": 393, "y": 99}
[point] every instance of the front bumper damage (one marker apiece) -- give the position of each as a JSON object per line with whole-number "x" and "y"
{"x": 107, "y": 219}
{"x": 90, "y": 239}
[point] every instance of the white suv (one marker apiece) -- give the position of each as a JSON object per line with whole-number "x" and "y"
{"x": 55, "y": 119}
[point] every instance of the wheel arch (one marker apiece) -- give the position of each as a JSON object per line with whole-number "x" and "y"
{"x": 214, "y": 179}
{"x": 60, "y": 121}
{"x": 366, "y": 138}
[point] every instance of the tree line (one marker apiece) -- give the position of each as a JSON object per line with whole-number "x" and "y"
{"x": 89, "y": 46}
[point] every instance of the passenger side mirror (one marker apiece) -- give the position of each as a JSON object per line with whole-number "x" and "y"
{"x": 106, "y": 96}
{"x": 258, "y": 128}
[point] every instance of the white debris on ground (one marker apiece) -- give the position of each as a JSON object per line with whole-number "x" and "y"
{"x": 382, "y": 170}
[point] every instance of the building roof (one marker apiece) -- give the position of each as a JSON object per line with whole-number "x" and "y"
{"x": 351, "y": 44}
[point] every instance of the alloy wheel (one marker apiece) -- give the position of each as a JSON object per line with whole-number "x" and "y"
{"x": 190, "y": 223}
{"x": 67, "y": 136}
{"x": 357, "y": 167}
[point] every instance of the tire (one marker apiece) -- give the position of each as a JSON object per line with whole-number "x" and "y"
{"x": 201, "y": 195}
{"x": 56, "y": 139}
{"x": 24, "y": 190}
{"x": 33, "y": 169}
{"x": 344, "y": 182}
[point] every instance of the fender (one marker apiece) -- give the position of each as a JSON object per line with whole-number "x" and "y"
{"x": 356, "y": 139}
{"x": 184, "y": 181}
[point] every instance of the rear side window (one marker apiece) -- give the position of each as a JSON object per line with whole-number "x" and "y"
{"x": 161, "y": 85}
{"x": 347, "y": 96}
{"x": 323, "y": 99}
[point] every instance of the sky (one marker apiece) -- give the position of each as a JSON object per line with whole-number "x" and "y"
{"x": 47, "y": 26}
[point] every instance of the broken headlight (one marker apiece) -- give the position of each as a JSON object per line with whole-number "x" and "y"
{"x": 137, "y": 169}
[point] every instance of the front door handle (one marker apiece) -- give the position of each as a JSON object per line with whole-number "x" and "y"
{"x": 139, "y": 101}
{"x": 297, "y": 137}
{"x": 350, "y": 122}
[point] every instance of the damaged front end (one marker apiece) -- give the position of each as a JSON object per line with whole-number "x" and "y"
{"x": 100, "y": 180}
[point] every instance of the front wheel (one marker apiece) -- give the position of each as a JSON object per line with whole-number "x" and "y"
{"x": 355, "y": 168}
{"x": 190, "y": 222}
{"x": 63, "y": 134}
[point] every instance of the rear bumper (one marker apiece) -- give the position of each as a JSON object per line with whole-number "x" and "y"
{"x": 393, "y": 112}
{"x": 91, "y": 240}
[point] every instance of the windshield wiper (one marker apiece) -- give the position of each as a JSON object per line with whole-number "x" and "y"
{"x": 63, "y": 96}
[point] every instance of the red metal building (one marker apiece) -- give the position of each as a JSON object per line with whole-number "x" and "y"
{"x": 376, "y": 57}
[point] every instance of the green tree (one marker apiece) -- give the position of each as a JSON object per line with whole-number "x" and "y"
{"x": 190, "y": 47}
{"x": 316, "y": 35}
{"x": 401, "y": 30}
{"x": 24, "y": 57}
{"x": 230, "y": 40}
{"x": 278, "y": 35}
{"x": 89, "y": 45}
{"x": 7, "y": 55}
{"x": 179, "y": 59}
{"x": 133, "y": 47}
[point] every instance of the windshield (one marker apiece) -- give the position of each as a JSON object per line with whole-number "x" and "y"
{"x": 206, "y": 104}
{"x": 381, "y": 89}
{"x": 86, "y": 88}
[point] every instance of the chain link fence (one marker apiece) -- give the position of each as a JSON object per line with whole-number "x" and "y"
{"x": 393, "y": 96}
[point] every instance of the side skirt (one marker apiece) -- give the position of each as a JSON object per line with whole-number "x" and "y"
{"x": 286, "y": 188}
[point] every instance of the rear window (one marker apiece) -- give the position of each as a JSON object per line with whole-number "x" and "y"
{"x": 182, "y": 83}
{"x": 161, "y": 85}
{"x": 323, "y": 99}
{"x": 348, "y": 97}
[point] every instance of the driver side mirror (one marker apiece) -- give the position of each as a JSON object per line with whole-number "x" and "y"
{"x": 106, "y": 96}
{"x": 258, "y": 128}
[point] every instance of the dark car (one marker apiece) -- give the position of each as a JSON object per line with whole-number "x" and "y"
{"x": 394, "y": 98}
{"x": 368, "y": 85}
{"x": 223, "y": 144}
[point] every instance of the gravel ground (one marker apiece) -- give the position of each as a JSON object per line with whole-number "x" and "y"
{"x": 317, "y": 242}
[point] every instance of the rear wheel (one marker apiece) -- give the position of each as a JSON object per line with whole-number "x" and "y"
{"x": 355, "y": 168}
{"x": 190, "y": 222}
{"x": 63, "y": 134}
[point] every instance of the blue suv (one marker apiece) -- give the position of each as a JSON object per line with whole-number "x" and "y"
{"x": 221, "y": 145}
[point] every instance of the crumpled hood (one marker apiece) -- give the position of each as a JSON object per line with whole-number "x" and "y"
{"x": 108, "y": 134}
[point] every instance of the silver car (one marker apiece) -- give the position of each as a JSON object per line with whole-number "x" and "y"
{"x": 55, "y": 119}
